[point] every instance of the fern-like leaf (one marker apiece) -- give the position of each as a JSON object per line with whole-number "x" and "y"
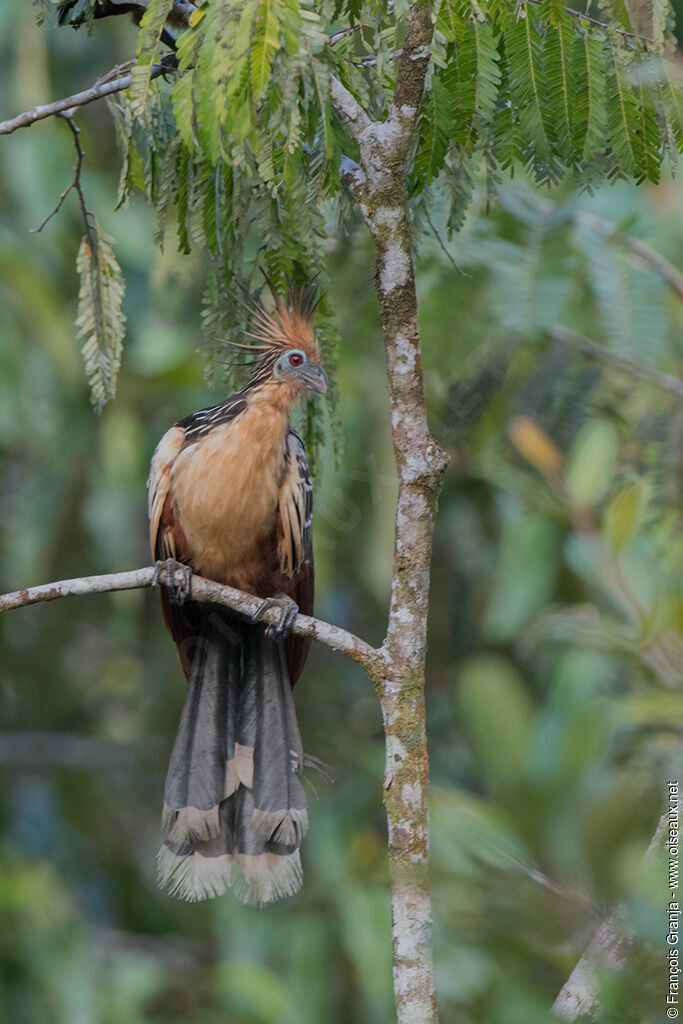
{"x": 265, "y": 44}
{"x": 623, "y": 115}
{"x": 151, "y": 26}
{"x": 523, "y": 45}
{"x": 590, "y": 105}
{"x": 558, "y": 47}
{"x": 183, "y": 197}
{"x": 671, "y": 93}
{"x": 433, "y": 133}
{"x": 472, "y": 79}
{"x": 100, "y": 322}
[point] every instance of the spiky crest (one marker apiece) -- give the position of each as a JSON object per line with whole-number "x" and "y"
{"x": 289, "y": 324}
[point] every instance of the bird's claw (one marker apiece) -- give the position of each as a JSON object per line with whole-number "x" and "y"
{"x": 288, "y": 613}
{"x": 176, "y": 577}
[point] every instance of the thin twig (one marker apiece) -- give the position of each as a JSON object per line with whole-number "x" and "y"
{"x": 75, "y": 184}
{"x": 370, "y": 59}
{"x": 609, "y": 28}
{"x": 341, "y": 33}
{"x": 85, "y": 212}
{"x": 204, "y": 591}
{"x": 666, "y": 381}
{"x": 98, "y": 91}
{"x": 116, "y": 71}
{"x": 648, "y": 255}
{"x": 441, "y": 242}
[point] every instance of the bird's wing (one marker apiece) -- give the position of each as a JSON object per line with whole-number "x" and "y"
{"x": 165, "y": 533}
{"x": 161, "y": 537}
{"x": 295, "y": 543}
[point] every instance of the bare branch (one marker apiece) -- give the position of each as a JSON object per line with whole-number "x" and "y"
{"x": 666, "y": 381}
{"x": 341, "y": 33}
{"x": 609, "y": 28}
{"x": 352, "y": 175}
{"x": 442, "y": 244}
{"x": 75, "y": 184}
{"x": 647, "y": 255}
{"x": 205, "y": 591}
{"x": 348, "y": 108}
{"x": 98, "y": 91}
{"x": 609, "y": 948}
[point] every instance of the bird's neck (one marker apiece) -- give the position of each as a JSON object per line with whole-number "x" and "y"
{"x": 278, "y": 396}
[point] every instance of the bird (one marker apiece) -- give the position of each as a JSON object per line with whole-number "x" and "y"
{"x": 73, "y": 13}
{"x": 230, "y": 499}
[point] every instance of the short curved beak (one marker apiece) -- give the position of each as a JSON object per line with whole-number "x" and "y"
{"x": 314, "y": 378}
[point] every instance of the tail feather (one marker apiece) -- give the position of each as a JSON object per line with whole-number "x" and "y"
{"x": 234, "y": 808}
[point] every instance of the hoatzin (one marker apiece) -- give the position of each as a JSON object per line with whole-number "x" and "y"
{"x": 230, "y": 497}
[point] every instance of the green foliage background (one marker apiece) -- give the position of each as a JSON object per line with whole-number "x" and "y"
{"x": 555, "y": 647}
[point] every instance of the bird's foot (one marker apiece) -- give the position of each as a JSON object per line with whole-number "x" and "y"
{"x": 288, "y": 612}
{"x": 176, "y": 577}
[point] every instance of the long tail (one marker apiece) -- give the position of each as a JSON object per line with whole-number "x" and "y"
{"x": 234, "y": 808}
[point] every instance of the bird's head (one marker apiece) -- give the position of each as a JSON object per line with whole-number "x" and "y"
{"x": 290, "y": 356}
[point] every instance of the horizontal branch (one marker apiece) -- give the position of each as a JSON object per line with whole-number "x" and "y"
{"x": 609, "y": 28}
{"x": 666, "y": 381}
{"x": 646, "y": 254}
{"x": 204, "y": 591}
{"x": 97, "y": 91}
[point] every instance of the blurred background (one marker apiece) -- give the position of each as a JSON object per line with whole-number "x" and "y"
{"x": 555, "y": 633}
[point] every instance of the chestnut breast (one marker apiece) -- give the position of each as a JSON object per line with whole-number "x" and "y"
{"x": 226, "y": 488}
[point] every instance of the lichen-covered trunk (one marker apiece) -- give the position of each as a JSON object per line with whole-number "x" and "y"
{"x": 420, "y": 464}
{"x": 378, "y": 184}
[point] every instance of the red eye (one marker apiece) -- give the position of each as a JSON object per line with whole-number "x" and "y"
{"x": 295, "y": 359}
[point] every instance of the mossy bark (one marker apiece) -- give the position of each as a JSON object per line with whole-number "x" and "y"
{"x": 378, "y": 184}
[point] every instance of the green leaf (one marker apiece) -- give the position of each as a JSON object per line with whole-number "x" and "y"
{"x": 496, "y": 712}
{"x": 632, "y": 303}
{"x": 558, "y": 47}
{"x": 254, "y": 987}
{"x": 591, "y": 463}
{"x": 671, "y": 90}
{"x": 590, "y": 101}
{"x": 433, "y": 132}
{"x": 100, "y": 321}
{"x": 648, "y": 130}
{"x": 622, "y": 515}
{"x": 617, "y": 12}
{"x": 320, "y": 76}
{"x": 183, "y": 196}
{"x": 622, "y": 114}
{"x": 151, "y": 26}
{"x": 523, "y": 46}
{"x": 451, "y": 17}
{"x": 210, "y": 209}
{"x": 265, "y": 44}
{"x": 472, "y": 80}
{"x": 164, "y": 186}
{"x": 182, "y": 109}
{"x": 524, "y": 577}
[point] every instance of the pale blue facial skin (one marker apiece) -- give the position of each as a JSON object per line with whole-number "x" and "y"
{"x": 295, "y": 363}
